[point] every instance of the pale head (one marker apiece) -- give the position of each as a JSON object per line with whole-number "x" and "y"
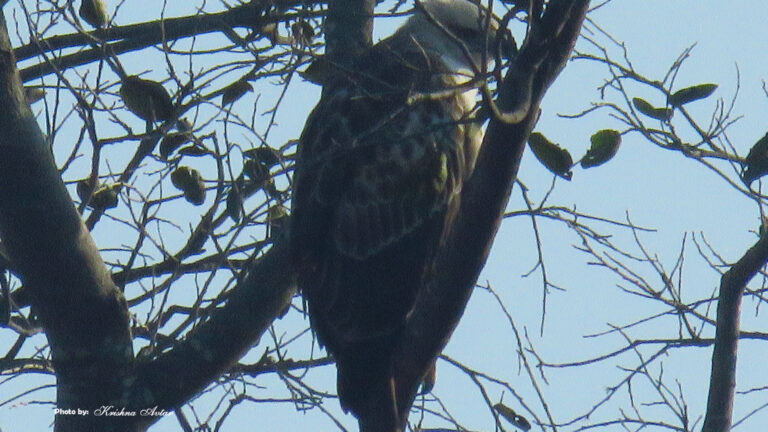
{"x": 463, "y": 19}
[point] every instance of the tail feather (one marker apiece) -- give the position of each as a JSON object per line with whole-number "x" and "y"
{"x": 366, "y": 388}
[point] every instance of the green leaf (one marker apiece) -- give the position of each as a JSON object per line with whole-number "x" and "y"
{"x": 555, "y": 158}
{"x": 605, "y": 144}
{"x": 690, "y": 94}
{"x": 663, "y": 114}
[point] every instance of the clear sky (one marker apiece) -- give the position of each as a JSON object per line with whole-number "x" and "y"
{"x": 658, "y": 189}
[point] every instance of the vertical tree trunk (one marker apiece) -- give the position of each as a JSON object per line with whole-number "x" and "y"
{"x": 723, "y": 376}
{"x": 83, "y": 313}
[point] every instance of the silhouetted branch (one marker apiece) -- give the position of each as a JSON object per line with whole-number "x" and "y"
{"x": 84, "y": 314}
{"x": 215, "y": 345}
{"x": 122, "y": 39}
{"x": 485, "y": 196}
{"x": 723, "y": 379}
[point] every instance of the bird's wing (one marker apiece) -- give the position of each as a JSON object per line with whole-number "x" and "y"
{"x": 371, "y": 171}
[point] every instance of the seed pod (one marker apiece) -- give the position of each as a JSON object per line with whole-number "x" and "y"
{"x": 265, "y": 155}
{"x": 94, "y": 12}
{"x": 690, "y": 94}
{"x": 194, "y": 150}
{"x": 235, "y": 91}
{"x": 147, "y": 99}
{"x": 234, "y": 204}
{"x": 605, "y": 144}
{"x": 555, "y": 158}
{"x": 189, "y": 181}
{"x": 171, "y": 142}
{"x": 663, "y": 114}
{"x": 255, "y": 171}
{"x": 105, "y": 197}
{"x": 303, "y": 33}
{"x": 511, "y": 416}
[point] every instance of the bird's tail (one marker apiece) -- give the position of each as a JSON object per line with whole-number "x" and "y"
{"x": 367, "y": 389}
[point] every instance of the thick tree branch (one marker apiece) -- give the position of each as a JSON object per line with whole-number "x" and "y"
{"x": 83, "y": 313}
{"x": 485, "y": 196}
{"x": 214, "y": 346}
{"x": 723, "y": 376}
{"x": 121, "y": 39}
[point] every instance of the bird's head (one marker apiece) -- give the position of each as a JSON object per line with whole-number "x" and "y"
{"x": 462, "y": 31}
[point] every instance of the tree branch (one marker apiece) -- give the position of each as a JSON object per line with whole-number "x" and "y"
{"x": 84, "y": 314}
{"x": 485, "y": 196}
{"x": 723, "y": 376}
{"x": 214, "y": 346}
{"x": 122, "y": 39}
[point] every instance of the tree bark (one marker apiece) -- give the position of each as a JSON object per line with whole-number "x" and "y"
{"x": 83, "y": 313}
{"x": 485, "y": 196}
{"x": 173, "y": 378}
{"x": 122, "y": 39}
{"x": 722, "y": 382}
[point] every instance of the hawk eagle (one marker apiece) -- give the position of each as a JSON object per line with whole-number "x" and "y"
{"x": 380, "y": 167}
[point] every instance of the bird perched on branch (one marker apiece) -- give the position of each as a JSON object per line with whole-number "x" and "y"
{"x": 380, "y": 168}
